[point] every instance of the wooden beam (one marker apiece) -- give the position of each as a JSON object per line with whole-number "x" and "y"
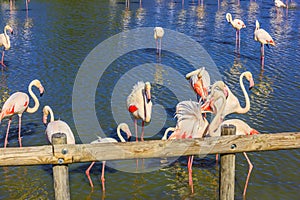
{"x": 227, "y": 168}
{"x": 148, "y": 149}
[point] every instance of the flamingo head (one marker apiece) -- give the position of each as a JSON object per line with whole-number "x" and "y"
{"x": 249, "y": 77}
{"x": 7, "y": 27}
{"x": 228, "y": 17}
{"x": 148, "y": 91}
{"x": 37, "y": 84}
{"x": 125, "y": 128}
{"x": 45, "y": 114}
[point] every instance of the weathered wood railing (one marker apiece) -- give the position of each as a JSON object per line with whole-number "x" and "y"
{"x": 63, "y": 154}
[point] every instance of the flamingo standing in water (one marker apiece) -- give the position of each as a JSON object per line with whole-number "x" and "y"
{"x": 139, "y": 105}
{"x": 264, "y": 38}
{"x": 56, "y": 126}
{"x": 242, "y": 128}
{"x": 200, "y": 82}
{"x": 237, "y": 24}
{"x": 158, "y": 34}
{"x": 124, "y": 127}
{"x": 5, "y": 42}
{"x": 18, "y": 103}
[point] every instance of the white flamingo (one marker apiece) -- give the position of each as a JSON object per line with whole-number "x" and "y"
{"x": 124, "y": 127}
{"x": 264, "y": 38}
{"x": 5, "y": 42}
{"x": 139, "y": 105}
{"x": 56, "y": 126}
{"x": 199, "y": 81}
{"x": 18, "y": 103}
{"x": 237, "y": 24}
{"x": 158, "y": 34}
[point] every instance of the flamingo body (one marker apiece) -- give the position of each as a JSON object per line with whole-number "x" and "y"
{"x": 236, "y": 23}
{"x": 56, "y": 126}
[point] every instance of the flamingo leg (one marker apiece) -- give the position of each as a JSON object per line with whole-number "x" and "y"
{"x": 249, "y": 172}
{"x": 20, "y": 122}
{"x": 159, "y": 46}
{"x": 6, "y": 137}
{"x": 102, "y": 176}
{"x": 2, "y": 59}
{"x": 217, "y": 159}
{"x": 143, "y": 130}
{"x": 157, "y": 50}
{"x": 87, "y": 172}
{"x": 190, "y": 164}
{"x": 26, "y": 3}
{"x": 136, "y": 130}
{"x": 262, "y": 53}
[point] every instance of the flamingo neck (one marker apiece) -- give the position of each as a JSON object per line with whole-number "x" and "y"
{"x": 6, "y": 38}
{"x": 214, "y": 125}
{"x": 35, "y": 99}
{"x": 166, "y": 132}
{"x": 51, "y": 114}
{"x": 119, "y": 134}
{"x": 247, "y": 100}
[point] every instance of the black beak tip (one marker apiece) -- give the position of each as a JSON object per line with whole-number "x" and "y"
{"x": 250, "y": 88}
{"x": 129, "y": 138}
{"x": 41, "y": 94}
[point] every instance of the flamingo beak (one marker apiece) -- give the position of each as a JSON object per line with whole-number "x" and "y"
{"x": 251, "y": 84}
{"x": 12, "y": 32}
{"x": 148, "y": 95}
{"x": 129, "y": 138}
{"x": 207, "y": 107}
{"x": 41, "y": 91}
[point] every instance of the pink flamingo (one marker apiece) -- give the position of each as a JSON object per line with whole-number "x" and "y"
{"x": 139, "y": 105}
{"x": 5, "y": 42}
{"x": 124, "y": 127}
{"x": 158, "y": 34}
{"x": 242, "y": 128}
{"x": 264, "y": 38}
{"x": 237, "y": 24}
{"x": 200, "y": 82}
{"x": 56, "y": 126}
{"x": 18, "y": 103}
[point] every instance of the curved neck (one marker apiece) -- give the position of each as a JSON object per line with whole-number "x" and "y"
{"x": 247, "y": 100}
{"x": 51, "y": 114}
{"x": 119, "y": 134}
{"x": 167, "y": 131}
{"x": 35, "y": 99}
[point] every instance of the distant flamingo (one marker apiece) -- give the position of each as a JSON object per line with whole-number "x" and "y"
{"x": 5, "y": 42}
{"x": 18, "y": 103}
{"x": 241, "y": 129}
{"x": 158, "y": 34}
{"x": 237, "y": 24}
{"x": 56, "y": 126}
{"x": 124, "y": 127}
{"x": 139, "y": 105}
{"x": 263, "y": 37}
{"x": 200, "y": 82}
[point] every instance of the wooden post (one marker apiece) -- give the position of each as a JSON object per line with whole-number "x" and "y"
{"x": 227, "y": 168}
{"x": 60, "y": 171}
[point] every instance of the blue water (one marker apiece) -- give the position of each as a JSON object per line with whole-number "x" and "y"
{"x": 54, "y": 39}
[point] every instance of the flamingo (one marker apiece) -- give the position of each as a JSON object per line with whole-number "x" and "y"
{"x": 242, "y": 128}
{"x": 5, "y": 42}
{"x": 237, "y": 24}
{"x": 124, "y": 127}
{"x": 264, "y": 38}
{"x": 139, "y": 105}
{"x": 18, "y": 103}
{"x": 56, "y": 126}
{"x": 199, "y": 81}
{"x": 232, "y": 103}
{"x": 158, "y": 34}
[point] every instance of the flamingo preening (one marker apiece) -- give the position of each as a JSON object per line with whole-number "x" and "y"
{"x": 237, "y": 24}
{"x": 124, "y": 127}
{"x": 18, "y": 103}
{"x": 56, "y": 126}
{"x": 158, "y": 34}
{"x": 200, "y": 82}
{"x": 139, "y": 104}
{"x": 264, "y": 38}
{"x": 5, "y": 42}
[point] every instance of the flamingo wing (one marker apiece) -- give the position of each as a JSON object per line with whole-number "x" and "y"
{"x": 263, "y": 37}
{"x": 15, "y": 104}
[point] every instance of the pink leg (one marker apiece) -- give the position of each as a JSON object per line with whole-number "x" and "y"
{"x": 143, "y": 130}
{"x": 102, "y": 176}
{"x": 2, "y": 59}
{"x": 136, "y": 130}
{"x": 6, "y": 137}
{"x": 87, "y": 172}
{"x": 190, "y": 164}
{"x": 20, "y": 139}
{"x": 249, "y": 172}
{"x": 217, "y": 159}
{"x": 159, "y": 46}
{"x": 26, "y": 2}
{"x": 262, "y": 52}
{"x": 157, "y": 51}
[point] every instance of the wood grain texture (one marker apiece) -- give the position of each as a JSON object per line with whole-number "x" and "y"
{"x": 148, "y": 149}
